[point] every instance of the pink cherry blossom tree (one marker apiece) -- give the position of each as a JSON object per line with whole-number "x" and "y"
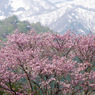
{"x": 48, "y": 64}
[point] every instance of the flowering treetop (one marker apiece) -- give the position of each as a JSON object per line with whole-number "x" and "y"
{"x": 47, "y": 64}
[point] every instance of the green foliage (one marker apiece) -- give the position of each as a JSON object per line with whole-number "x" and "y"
{"x": 7, "y": 26}
{"x": 10, "y": 24}
{"x": 39, "y": 28}
{"x": 2, "y": 93}
{"x": 22, "y": 26}
{"x": 37, "y": 91}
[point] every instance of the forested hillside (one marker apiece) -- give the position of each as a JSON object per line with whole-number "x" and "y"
{"x": 9, "y": 25}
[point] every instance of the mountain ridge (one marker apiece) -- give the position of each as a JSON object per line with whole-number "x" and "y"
{"x": 76, "y": 15}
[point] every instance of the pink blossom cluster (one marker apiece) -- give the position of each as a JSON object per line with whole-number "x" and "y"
{"x": 48, "y": 64}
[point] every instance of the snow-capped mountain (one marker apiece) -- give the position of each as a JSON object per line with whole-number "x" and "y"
{"x": 26, "y": 6}
{"x": 81, "y": 17}
{"x": 76, "y": 15}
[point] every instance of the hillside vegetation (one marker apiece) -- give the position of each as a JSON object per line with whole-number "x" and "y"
{"x": 9, "y": 25}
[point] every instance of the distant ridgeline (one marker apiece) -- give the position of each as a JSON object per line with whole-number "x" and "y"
{"x": 9, "y": 25}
